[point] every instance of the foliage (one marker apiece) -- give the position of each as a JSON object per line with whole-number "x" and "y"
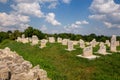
{"x": 3, "y": 36}
{"x": 14, "y": 35}
{"x": 31, "y": 31}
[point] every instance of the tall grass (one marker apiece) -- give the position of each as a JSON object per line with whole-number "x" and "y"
{"x": 64, "y": 65}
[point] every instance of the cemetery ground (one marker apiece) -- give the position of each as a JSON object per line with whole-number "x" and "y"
{"x": 65, "y": 65}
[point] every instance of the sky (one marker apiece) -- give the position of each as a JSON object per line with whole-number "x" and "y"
{"x": 101, "y": 17}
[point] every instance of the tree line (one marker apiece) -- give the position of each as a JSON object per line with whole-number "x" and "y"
{"x": 12, "y": 35}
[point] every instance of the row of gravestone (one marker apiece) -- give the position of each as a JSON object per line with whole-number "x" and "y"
{"x": 34, "y": 40}
{"x": 87, "y": 46}
{"x": 14, "y": 67}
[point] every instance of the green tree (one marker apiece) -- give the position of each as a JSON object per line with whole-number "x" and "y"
{"x": 29, "y": 32}
{"x": 3, "y": 36}
{"x": 15, "y": 34}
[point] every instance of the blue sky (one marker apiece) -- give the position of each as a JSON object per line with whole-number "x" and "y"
{"x": 101, "y": 17}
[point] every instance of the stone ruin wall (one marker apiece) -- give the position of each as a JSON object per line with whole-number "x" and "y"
{"x": 14, "y": 67}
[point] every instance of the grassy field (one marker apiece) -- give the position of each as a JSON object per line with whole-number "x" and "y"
{"x": 64, "y": 65}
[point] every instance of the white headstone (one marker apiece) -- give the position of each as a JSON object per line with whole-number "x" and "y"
{"x": 108, "y": 43}
{"x": 70, "y": 46}
{"x": 51, "y": 39}
{"x": 88, "y": 53}
{"x": 43, "y": 43}
{"x": 23, "y": 35}
{"x": 117, "y": 43}
{"x": 64, "y": 41}
{"x": 113, "y": 44}
{"x": 87, "y": 43}
{"x": 75, "y": 42}
{"x": 18, "y": 39}
{"x": 82, "y": 43}
{"x": 93, "y": 43}
{"x": 34, "y": 40}
{"x": 59, "y": 40}
{"x": 102, "y": 49}
{"x": 22, "y": 39}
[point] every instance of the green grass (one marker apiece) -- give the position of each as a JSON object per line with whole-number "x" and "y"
{"x": 64, "y": 65}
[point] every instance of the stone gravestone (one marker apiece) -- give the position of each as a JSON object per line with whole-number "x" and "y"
{"x": 43, "y": 43}
{"x": 113, "y": 44}
{"x": 87, "y": 43}
{"x": 35, "y": 40}
{"x": 102, "y": 49}
{"x": 64, "y": 41}
{"x": 70, "y": 46}
{"x": 107, "y": 42}
{"x": 23, "y": 36}
{"x": 22, "y": 39}
{"x": 93, "y": 43}
{"x": 25, "y": 40}
{"x": 82, "y": 43}
{"x": 59, "y": 40}
{"x": 117, "y": 43}
{"x": 88, "y": 53}
{"x": 75, "y": 42}
{"x": 30, "y": 39}
{"x": 51, "y": 39}
{"x": 18, "y": 39}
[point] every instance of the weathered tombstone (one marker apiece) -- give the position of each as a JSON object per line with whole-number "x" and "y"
{"x": 30, "y": 39}
{"x": 93, "y": 43}
{"x": 22, "y": 39}
{"x": 70, "y": 46}
{"x": 59, "y": 40}
{"x": 18, "y": 39}
{"x": 64, "y": 41}
{"x": 82, "y": 43}
{"x": 23, "y": 35}
{"x": 113, "y": 44}
{"x": 75, "y": 42}
{"x": 102, "y": 49}
{"x": 51, "y": 39}
{"x": 34, "y": 40}
{"x": 117, "y": 43}
{"x": 25, "y": 40}
{"x": 88, "y": 53}
{"x": 43, "y": 43}
{"x": 108, "y": 43}
{"x": 87, "y": 43}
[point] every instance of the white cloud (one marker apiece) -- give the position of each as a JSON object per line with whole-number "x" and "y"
{"x": 28, "y": 8}
{"x": 67, "y": 1}
{"x": 8, "y": 20}
{"x": 50, "y": 18}
{"x": 107, "y": 12}
{"x": 22, "y": 11}
{"x": 25, "y": 1}
{"x": 98, "y": 17}
{"x": 43, "y": 28}
{"x": 52, "y": 5}
{"x": 44, "y": 1}
{"x": 3, "y": 1}
{"x": 75, "y": 25}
